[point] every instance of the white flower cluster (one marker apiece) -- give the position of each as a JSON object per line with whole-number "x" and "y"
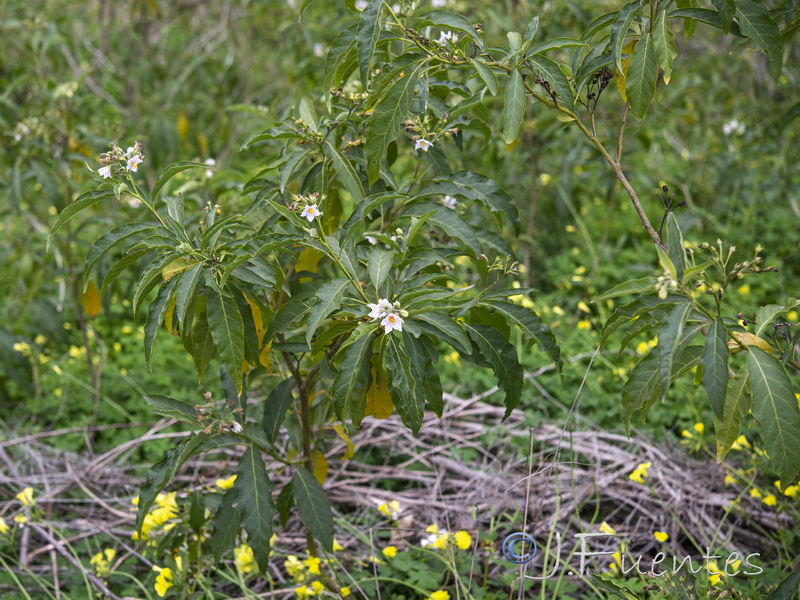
{"x": 132, "y": 158}
{"x": 391, "y": 315}
{"x": 733, "y": 126}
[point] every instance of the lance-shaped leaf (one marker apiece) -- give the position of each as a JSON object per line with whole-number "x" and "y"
{"x": 346, "y": 172}
{"x": 254, "y": 499}
{"x": 726, "y": 10}
{"x": 405, "y": 384}
{"x": 227, "y": 524}
{"x": 287, "y": 315}
{"x": 445, "y": 18}
{"x": 278, "y": 402}
{"x": 391, "y": 110}
{"x": 626, "y": 313}
{"x": 352, "y": 381}
{"x": 186, "y": 289}
{"x": 442, "y": 326}
{"x": 551, "y": 72}
{"x": 640, "y": 86}
{"x": 787, "y": 589}
{"x": 738, "y": 402}
{"x": 766, "y": 315}
{"x": 367, "y": 34}
{"x": 82, "y": 202}
{"x": 227, "y": 329}
{"x": 715, "y": 366}
{"x": 669, "y": 337}
{"x": 155, "y": 317}
{"x": 632, "y": 286}
{"x": 171, "y": 171}
{"x": 380, "y": 263}
{"x": 485, "y": 73}
{"x": 664, "y": 42}
{"x": 329, "y": 298}
{"x": 313, "y": 507}
{"x": 619, "y": 29}
{"x": 513, "y": 106}
{"x": 775, "y": 407}
{"x": 172, "y": 408}
{"x": 493, "y": 350}
{"x": 764, "y": 32}
{"x": 109, "y": 240}
{"x": 533, "y": 327}
{"x": 342, "y": 46}
{"x": 448, "y": 221}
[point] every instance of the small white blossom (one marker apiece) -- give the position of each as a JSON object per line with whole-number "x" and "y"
{"x": 450, "y": 202}
{"x": 381, "y": 309}
{"x": 444, "y": 36}
{"x": 438, "y": 3}
{"x": 310, "y": 212}
{"x": 361, "y": 4}
{"x": 390, "y": 322}
{"x": 423, "y": 145}
{"x": 371, "y": 239}
{"x": 132, "y": 201}
{"x": 396, "y": 8}
{"x": 210, "y": 162}
{"x": 318, "y": 50}
{"x": 104, "y": 171}
{"x": 733, "y": 126}
{"x": 236, "y": 427}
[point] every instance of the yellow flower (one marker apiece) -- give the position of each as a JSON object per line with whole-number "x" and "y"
{"x": 294, "y": 568}
{"x": 559, "y": 311}
{"x": 606, "y": 528}
{"x": 302, "y": 591}
{"x": 452, "y": 358}
{"x": 716, "y": 574}
{"x": 3, "y": 526}
{"x": 336, "y": 545}
{"x": 439, "y": 595}
{"x": 21, "y": 519}
{"x": 40, "y": 339}
{"x": 661, "y": 536}
{"x": 699, "y": 428}
{"x": 344, "y": 592}
{"x": 791, "y": 316}
{"x": 462, "y": 539}
{"x": 730, "y": 480}
{"x": 102, "y": 560}
{"x": 441, "y": 541}
{"x": 244, "y": 560}
{"x": 317, "y": 587}
{"x": 163, "y": 581}
{"x": 312, "y": 563}
{"x": 792, "y": 491}
{"x": 744, "y": 290}
{"x": 754, "y": 493}
{"x": 432, "y": 528}
{"x": 22, "y": 348}
{"x": 741, "y": 442}
{"x": 642, "y": 348}
{"x": 770, "y": 500}
{"x": 390, "y": 551}
{"x": 26, "y": 497}
{"x": 391, "y": 510}
{"x": 226, "y": 484}
{"x": 544, "y": 179}
{"x": 687, "y": 434}
{"x": 582, "y": 305}
{"x": 584, "y": 324}
{"x": 640, "y": 472}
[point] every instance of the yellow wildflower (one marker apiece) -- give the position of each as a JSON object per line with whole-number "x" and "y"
{"x": 559, "y": 311}
{"x": 741, "y": 442}
{"x": 3, "y": 526}
{"x": 791, "y": 316}
{"x": 317, "y": 587}
{"x": 391, "y": 510}
{"x": 640, "y": 472}
{"x": 452, "y": 358}
{"x": 687, "y": 434}
{"x": 244, "y": 560}
{"x": 582, "y": 305}
{"x": 744, "y": 290}
{"x": 57, "y": 370}
{"x": 439, "y": 595}
{"x": 699, "y": 428}
{"x": 40, "y": 339}
{"x": 642, "y": 348}
{"x": 21, "y": 519}
{"x": 570, "y": 229}
{"x": 294, "y": 568}
{"x": 441, "y": 541}
{"x": 792, "y": 491}
{"x": 163, "y": 581}
{"x": 390, "y": 551}
{"x": 344, "y": 592}
{"x": 22, "y": 348}
{"x": 462, "y": 539}
{"x": 102, "y": 560}
{"x": 26, "y": 497}
{"x": 544, "y": 179}
{"x": 770, "y": 500}
{"x": 302, "y": 592}
{"x": 661, "y": 536}
{"x": 754, "y": 493}
{"x": 584, "y": 324}
{"x": 730, "y": 480}
{"x": 606, "y": 528}
{"x": 226, "y": 484}
{"x": 312, "y": 564}
{"x": 336, "y": 545}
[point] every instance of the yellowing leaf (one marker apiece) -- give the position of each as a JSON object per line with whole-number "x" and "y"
{"x": 351, "y": 448}
{"x": 257, "y": 319}
{"x": 320, "y": 466}
{"x": 90, "y": 299}
{"x": 379, "y": 402}
{"x": 748, "y": 339}
{"x": 264, "y": 357}
{"x": 176, "y": 266}
{"x": 626, "y": 62}
{"x": 308, "y": 261}
{"x": 168, "y": 318}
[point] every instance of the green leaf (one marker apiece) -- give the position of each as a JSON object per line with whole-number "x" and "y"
{"x": 632, "y": 286}
{"x": 380, "y": 264}
{"x": 726, "y": 10}
{"x": 108, "y": 241}
{"x": 787, "y": 589}
{"x": 187, "y": 287}
{"x": 531, "y": 29}
{"x": 764, "y": 32}
{"x": 278, "y": 402}
{"x": 664, "y": 42}
{"x": 445, "y": 18}
{"x": 341, "y": 48}
{"x": 533, "y": 327}
{"x": 405, "y": 384}
{"x": 766, "y": 315}
{"x": 448, "y": 221}
{"x": 715, "y": 366}
{"x": 155, "y": 318}
{"x": 346, "y": 172}
{"x": 675, "y": 247}
{"x": 775, "y": 407}
{"x": 557, "y": 44}
{"x": 550, "y": 71}
{"x": 447, "y": 329}
{"x": 485, "y": 73}
{"x": 352, "y": 379}
{"x": 642, "y": 304}
{"x": 599, "y": 24}
{"x": 313, "y": 507}
{"x": 480, "y": 188}
{"x": 227, "y": 329}
{"x": 363, "y": 209}
{"x": 513, "y": 106}
{"x": 689, "y": 25}
{"x": 200, "y": 344}
{"x": 308, "y": 114}
{"x": 171, "y": 171}
{"x": 738, "y": 402}
{"x": 640, "y": 82}
{"x": 172, "y": 408}
{"x": 619, "y": 29}
{"x": 254, "y": 498}
{"x": 367, "y": 35}
{"x": 493, "y": 350}
{"x": 83, "y": 201}
{"x": 390, "y": 112}
{"x": 329, "y": 298}
{"x": 227, "y": 524}
{"x": 287, "y": 315}
{"x": 669, "y": 338}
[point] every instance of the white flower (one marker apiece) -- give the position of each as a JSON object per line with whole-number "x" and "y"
{"x": 444, "y": 36}
{"x": 132, "y": 201}
{"x": 392, "y": 321}
{"x": 371, "y": 239}
{"x": 236, "y": 427}
{"x": 733, "y": 126}
{"x": 381, "y": 309}
{"x": 310, "y": 212}
{"x": 361, "y": 4}
{"x": 396, "y": 8}
{"x": 133, "y": 163}
{"x": 210, "y": 162}
{"x": 104, "y": 171}
{"x": 423, "y": 145}
{"x": 318, "y": 50}
{"x": 438, "y": 3}
{"x": 449, "y": 202}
